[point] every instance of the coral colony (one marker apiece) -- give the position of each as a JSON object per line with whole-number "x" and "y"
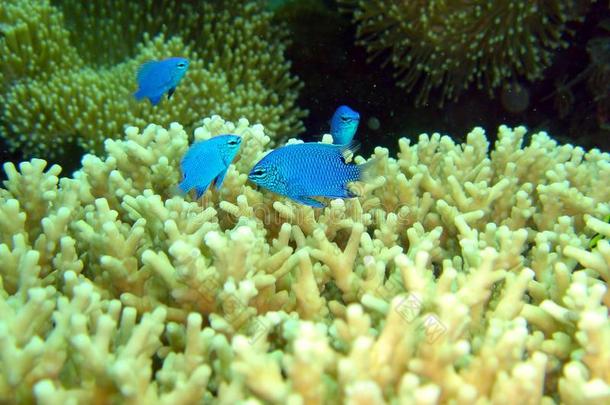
{"x": 456, "y": 45}
{"x": 463, "y": 273}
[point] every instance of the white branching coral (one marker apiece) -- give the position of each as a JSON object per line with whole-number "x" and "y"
{"x": 461, "y": 274}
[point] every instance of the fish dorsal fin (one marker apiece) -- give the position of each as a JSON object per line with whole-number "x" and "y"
{"x": 145, "y": 69}
{"x": 353, "y": 147}
{"x": 348, "y": 151}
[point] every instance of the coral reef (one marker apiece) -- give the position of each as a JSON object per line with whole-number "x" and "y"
{"x": 451, "y": 45}
{"x": 59, "y": 87}
{"x": 461, "y": 275}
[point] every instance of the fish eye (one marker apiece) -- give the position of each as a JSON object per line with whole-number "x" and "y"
{"x": 182, "y": 64}
{"x": 233, "y": 142}
{"x": 257, "y": 172}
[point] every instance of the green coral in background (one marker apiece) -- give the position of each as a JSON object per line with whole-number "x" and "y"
{"x": 451, "y": 45}
{"x": 78, "y": 89}
{"x": 33, "y": 42}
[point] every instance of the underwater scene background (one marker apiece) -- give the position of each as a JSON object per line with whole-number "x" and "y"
{"x": 305, "y": 201}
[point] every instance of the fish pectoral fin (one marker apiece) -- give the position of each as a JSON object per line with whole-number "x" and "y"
{"x": 301, "y": 199}
{"x": 220, "y": 178}
{"x": 154, "y": 100}
{"x": 138, "y": 94}
{"x": 170, "y": 92}
{"x": 145, "y": 69}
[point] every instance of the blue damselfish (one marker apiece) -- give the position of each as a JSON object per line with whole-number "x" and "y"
{"x": 305, "y": 170}
{"x": 208, "y": 161}
{"x": 343, "y": 125}
{"x": 157, "y": 77}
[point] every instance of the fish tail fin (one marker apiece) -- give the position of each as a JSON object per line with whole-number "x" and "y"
{"x": 364, "y": 173}
{"x": 365, "y": 170}
{"x": 176, "y": 191}
{"x": 138, "y": 94}
{"x": 182, "y": 189}
{"x": 185, "y": 187}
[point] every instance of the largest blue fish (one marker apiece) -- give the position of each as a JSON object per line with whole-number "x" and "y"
{"x": 306, "y": 170}
{"x": 208, "y": 161}
{"x": 158, "y": 77}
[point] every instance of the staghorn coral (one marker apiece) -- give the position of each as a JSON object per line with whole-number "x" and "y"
{"x": 451, "y": 45}
{"x": 461, "y": 275}
{"x": 76, "y": 92}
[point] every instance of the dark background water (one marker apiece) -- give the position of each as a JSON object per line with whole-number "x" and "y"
{"x": 336, "y": 71}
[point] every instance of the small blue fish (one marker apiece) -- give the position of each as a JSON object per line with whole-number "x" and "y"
{"x": 343, "y": 125}
{"x": 208, "y": 161}
{"x": 305, "y": 170}
{"x": 159, "y": 76}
